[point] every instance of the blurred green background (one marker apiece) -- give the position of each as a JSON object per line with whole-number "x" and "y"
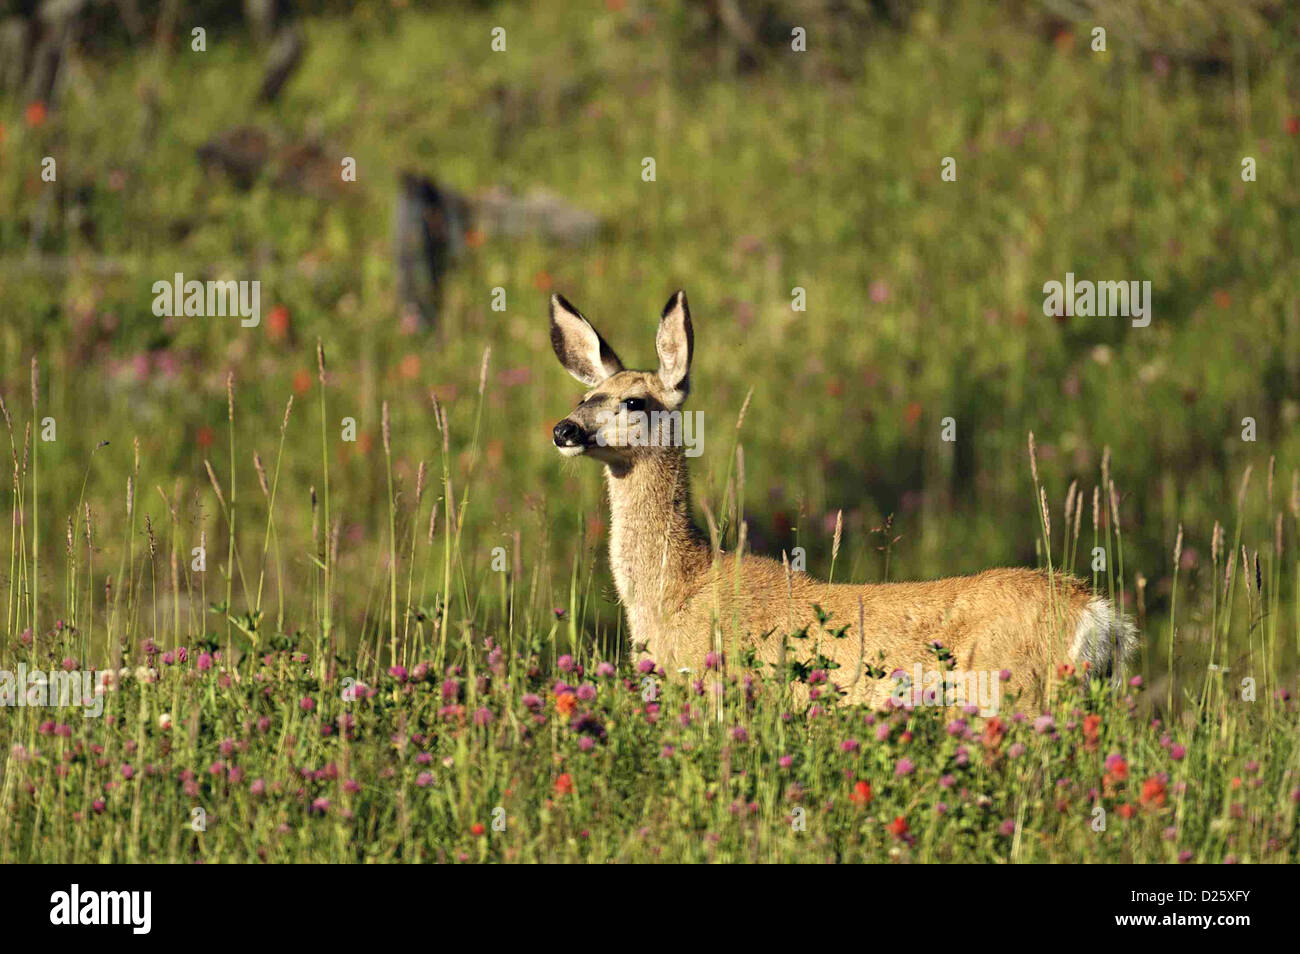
{"x": 775, "y": 169}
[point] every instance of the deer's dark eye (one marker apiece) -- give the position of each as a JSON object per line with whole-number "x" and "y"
{"x": 632, "y": 405}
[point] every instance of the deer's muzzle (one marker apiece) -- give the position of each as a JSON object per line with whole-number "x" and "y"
{"x": 569, "y": 434}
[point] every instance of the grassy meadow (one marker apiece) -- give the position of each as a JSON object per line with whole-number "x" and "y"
{"x": 407, "y": 647}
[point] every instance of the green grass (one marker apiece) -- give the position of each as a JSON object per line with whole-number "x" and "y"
{"x": 924, "y": 302}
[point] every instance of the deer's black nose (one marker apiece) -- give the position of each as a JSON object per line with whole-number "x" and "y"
{"x": 567, "y": 434}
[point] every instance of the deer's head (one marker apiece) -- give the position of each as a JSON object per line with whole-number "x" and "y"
{"x": 624, "y": 414}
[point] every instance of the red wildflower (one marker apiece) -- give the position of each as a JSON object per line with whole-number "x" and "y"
{"x": 861, "y": 794}
{"x": 1091, "y": 726}
{"x": 35, "y": 113}
{"x": 898, "y": 827}
{"x": 1126, "y": 810}
{"x": 564, "y": 784}
{"x": 277, "y": 323}
{"x": 1153, "y": 792}
{"x": 476, "y": 828}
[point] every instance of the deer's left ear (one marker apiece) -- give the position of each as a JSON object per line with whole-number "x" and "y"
{"x": 580, "y": 348}
{"x": 675, "y": 343}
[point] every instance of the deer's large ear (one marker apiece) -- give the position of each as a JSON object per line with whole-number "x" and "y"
{"x": 581, "y": 350}
{"x": 675, "y": 343}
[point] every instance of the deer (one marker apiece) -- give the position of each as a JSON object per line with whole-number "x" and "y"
{"x": 688, "y": 602}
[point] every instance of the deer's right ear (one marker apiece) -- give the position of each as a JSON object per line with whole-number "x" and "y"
{"x": 581, "y": 350}
{"x": 675, "y": 343}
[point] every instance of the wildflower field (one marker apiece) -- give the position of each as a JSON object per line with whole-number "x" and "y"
{"x": 396, "y": 640}
{"x": 514, "y": 755}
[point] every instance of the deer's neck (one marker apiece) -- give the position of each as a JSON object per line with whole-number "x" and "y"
{"x": 656, "y": 553}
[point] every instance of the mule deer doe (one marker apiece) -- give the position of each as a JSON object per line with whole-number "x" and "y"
{"x": 680, "y": 599}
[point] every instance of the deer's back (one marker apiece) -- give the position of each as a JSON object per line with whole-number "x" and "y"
{"x": 1000, "y": 619}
